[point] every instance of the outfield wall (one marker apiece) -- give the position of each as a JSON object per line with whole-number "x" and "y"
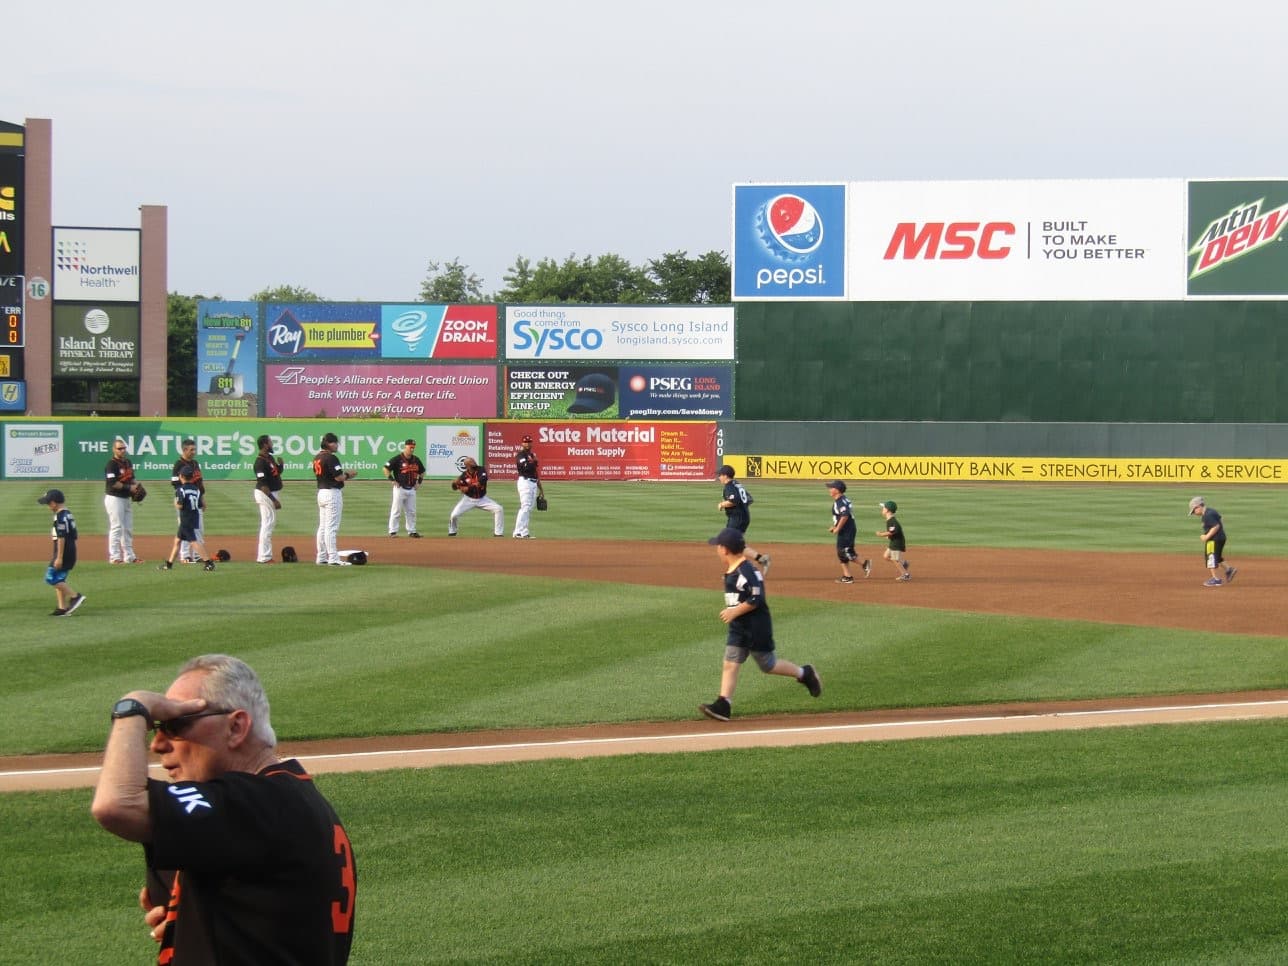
{"x": 1212, "y": 362}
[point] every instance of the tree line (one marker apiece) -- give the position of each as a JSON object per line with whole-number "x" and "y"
{"x": 671, "y": 279}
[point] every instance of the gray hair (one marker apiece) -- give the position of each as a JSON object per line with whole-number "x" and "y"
{"x": 232, "y": 683}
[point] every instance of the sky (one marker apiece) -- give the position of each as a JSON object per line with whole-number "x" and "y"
{"x": 343, "y": 147}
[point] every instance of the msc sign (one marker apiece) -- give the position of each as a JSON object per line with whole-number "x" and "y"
{"x": 951, "y": 240}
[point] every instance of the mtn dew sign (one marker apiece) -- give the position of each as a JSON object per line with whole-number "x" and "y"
{"x": 1237, "y": 245}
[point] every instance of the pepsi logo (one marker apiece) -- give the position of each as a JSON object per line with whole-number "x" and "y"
{"x": 794, "y": 224}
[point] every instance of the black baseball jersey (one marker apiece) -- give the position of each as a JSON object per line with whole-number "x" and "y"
{"x": 526, "y": 464}
{"x": 118, "y": 476}
{"x": 843, "y": 508}
{"x": 188, "y": 499}
{"x": 65, "y": 527}
{"x": 894, "y": 533}
{"x": 329, "y": 471}
{"x": 739, "y": 515}
{"x": 473, "y": 482}
{"x": 754, "y": 630}
{"x": 252, "y": 869}
{"x": 268, "y": 473}
{"x": 405, "y": 471}
{"x": 176, "y": 474}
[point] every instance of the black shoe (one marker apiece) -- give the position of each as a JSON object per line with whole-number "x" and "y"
{"x": 210, "y": 565}
{"x": 845, "y": 580}
{"x": 75, "y": 602}
{"x": 811, "y": 680}
{"x": 393, "y": 535}
{"x": 58, "y": 612}
{"x": 414, "y": 535}
{"x": 718, "y": 709}
{"x": 168, "y": 565}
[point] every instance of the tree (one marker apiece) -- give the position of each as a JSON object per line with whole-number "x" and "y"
{"x": 285, "y": 293}
{"x": 606, "y": 280}
{"x": 681, "y": 280}
{"x": 452, "y": 283}
{"x": 181, "y": 353}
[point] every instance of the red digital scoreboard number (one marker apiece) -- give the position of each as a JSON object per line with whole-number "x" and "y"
{"x": 14, "y": 335}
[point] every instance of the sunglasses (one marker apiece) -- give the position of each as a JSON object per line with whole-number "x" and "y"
{"x": 176, "y": 727}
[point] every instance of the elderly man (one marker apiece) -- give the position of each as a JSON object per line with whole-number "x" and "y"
{"x": 246, "y": 860}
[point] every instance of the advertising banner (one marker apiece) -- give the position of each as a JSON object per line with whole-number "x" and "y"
{"x": 333, "y": 331}
{"x": 789, "y": 241}
{"x": 11, "y": 201}
{"x": 78, "y": 449}
{"x": 587, "y": 333}
{"x": 1234, "y": 228}
{"x": 13, "y": 395}
{"x": 607, "y": 451}
{"x": 228, "y": 359}
{"x": 420, "y": 331}
{"x": 446, "y": 447}
{"x": 1006, "y": 240}
{"x": 96, "y": 264}
{"x": 1023, "y": 469}
{"x": 404, "y": 391}
{"x": 96, "y": 341}
{"x": 625, "y": 392}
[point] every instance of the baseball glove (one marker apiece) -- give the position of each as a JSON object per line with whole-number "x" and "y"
{"x": 543, "y": 503}
{"x": 138, "y": 494}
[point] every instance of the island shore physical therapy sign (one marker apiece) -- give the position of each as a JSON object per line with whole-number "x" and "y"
{"x": 1057, "y": 240}
{"x": 1021, "y": 469}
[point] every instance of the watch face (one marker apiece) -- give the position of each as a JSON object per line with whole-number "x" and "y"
{"x": 128, "y": 707}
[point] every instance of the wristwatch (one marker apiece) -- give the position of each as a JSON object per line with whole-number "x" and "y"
{"x": 128, "y": 707}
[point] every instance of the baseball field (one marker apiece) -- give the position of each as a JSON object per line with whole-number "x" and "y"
{"x": 1159, "y": 843}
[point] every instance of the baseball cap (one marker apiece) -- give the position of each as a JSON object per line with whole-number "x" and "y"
{"x": 729, "y": 538}
{"x": 727, "y": 470}
{"x": 888, "y": 505}
{"x": 527, "y": 438}
{"x": 51, "y": 496}
{"x": 1196, "y": 502}
{"x": 330, "y": 438}
{"x": 595, "y": 393}
{"x": 185, "y": 471}
{"x": 837, "y": 485}
{"x": 409, "y": 442}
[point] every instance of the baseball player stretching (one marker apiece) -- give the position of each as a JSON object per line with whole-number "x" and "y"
{"x": 405, "y": 471}
{"x": 472, "y": 485}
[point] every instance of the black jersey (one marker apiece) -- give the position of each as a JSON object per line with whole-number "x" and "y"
{"x": 406, "y": 471}
{"x": 176, "y": 474}
{"x": 328, "y": 470}
{"x": 526, "y": 464}
{"x": 117, "y": 477}
{"x": 754, "y": 630}
{"x": 842, "y": 508}
{"x": 268, "y": 473}
{"x": 252, "y": 869}
{"x": 738, "y": 516}
{"x": 188, "y": 498}
{"x": 894, "y": 533}
{"x": 65, "y": 527}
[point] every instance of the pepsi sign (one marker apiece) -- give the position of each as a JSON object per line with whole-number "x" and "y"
{"x": 789, "y": 241}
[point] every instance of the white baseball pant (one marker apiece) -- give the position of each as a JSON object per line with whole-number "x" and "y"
{"x": 404, "y": 505}
{"x": 267, "y": 521}
{"x": 330, "y": 509}
{"x": 120, "y": 528}
{"x": 481, "y": 503}
{"x": 527, "y": 500}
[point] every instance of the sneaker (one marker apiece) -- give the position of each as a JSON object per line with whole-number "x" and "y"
{"x": 1213, "y": 582}
{"x": 341, "y": 563}
{"x": 393, "y": 535}
{"x": 168, "y": 565}
{"x": 414, "y": 535}
{"x": 210, "y": 565}
{"x": 1229, "y": 574}
{"x": 58, "y": 612}
{"x": 451, "y": 533}
{"x": 845, "y": 580}
{"x": 811, "y": 680}
{"x": 904, "y": 577}
{"x": 718, "y": 709}
{"x": 763, "y": 560}
{"x": 75, "y": 602}
{"x": 137, "y": 560}
{"x": 867, "y": 568}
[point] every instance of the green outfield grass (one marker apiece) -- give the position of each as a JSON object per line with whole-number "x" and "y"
{"x": 1141, "y": 845}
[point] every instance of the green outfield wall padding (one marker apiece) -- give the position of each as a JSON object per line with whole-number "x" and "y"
{"x": 1120, "y": 362}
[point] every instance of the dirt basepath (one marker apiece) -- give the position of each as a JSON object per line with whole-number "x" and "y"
{"x": 1142, "y": 589}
